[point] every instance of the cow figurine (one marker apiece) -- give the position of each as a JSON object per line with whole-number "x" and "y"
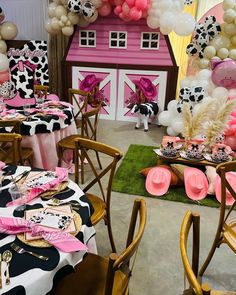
{"x": 145, "y": 111}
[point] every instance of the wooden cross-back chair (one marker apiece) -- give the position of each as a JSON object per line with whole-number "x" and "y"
{"x": 12, "y": 125}
{"x": 97, "y": 275}
{"x": 87, "y": 122}
{"x": 41, "y": 91}
{"x": 226, "y": 230}
{"x": 79, "y": 99}
{"x": 11, "y": 151}
{"x": 191, "y": 268}
{"x": 103, "y": 178}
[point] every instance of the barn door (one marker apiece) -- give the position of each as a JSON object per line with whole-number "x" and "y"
{"x": 108, "y": 85}
{"x": 126, "y": 86}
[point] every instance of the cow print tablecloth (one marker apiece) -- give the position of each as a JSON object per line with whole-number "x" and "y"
{"x": 44, "y": 123}
{"x": 30, "y": 275}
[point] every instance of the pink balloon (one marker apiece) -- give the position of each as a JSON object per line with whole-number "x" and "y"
{"x": 135, "y": 14}
{"x": 105, "y": 9}
{"x": 231, "y": 141}
{"x": 125, "y": 8}
{"x": 4, "y": 76}
{"x": 118, "y": 2}
{"x": 141, "y": 4}
{"x": 224, "y": 73}
{"x": 118, "y": 10}
{"x": 130, "y": 3}
{"x": 124, "y": 17}
{"x": 232, "y": 121}
{"x": 144, "y": 14}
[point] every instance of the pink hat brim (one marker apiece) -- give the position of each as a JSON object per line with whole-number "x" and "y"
{"x": 231, "y": 177}
{"x": 161, "y": 189}
{"x": 189, "y": 172}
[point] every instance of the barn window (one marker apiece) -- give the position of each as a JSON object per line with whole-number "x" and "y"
{"x": 87, "y": 38}
{"x": 118, "y": 40}
{"x": 150, "y": 40}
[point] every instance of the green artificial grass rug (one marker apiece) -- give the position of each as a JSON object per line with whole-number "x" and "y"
{"x": 128, "y": 179}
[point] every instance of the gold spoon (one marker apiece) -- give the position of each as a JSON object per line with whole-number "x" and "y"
{"x": 7, "y": 256}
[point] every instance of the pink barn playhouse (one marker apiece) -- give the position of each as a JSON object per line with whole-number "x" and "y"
{"x": 120, "y": 52}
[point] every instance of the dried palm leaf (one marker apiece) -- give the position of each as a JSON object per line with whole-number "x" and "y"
{"x": 219, "y": 124}
{"x": 187, "y": 121}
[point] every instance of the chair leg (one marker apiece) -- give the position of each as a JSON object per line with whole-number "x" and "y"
{"x": 108, "y": 224}
{"x": 98, "y": 159}
{"x": 210, "y": 255}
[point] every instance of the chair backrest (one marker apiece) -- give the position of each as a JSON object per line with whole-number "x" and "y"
{"x": 225, "y": 185}
{"x": 83, "y": 146}
{"x": 13, "y": 125}
{"x": 41, "y": 91}
{"x": 122, "y": 262}
{"x": 10, "y": 151}
{"x": 90, "y": 123}
{"x": 79, "y": 99}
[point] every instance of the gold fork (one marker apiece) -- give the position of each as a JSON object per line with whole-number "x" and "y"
{"x": 21, "y": 250}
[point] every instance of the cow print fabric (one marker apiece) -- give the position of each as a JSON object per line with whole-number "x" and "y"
{"x": 43, "y": 124}
{"x": 43, "y": 273}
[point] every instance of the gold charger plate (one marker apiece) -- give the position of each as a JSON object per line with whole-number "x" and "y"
{"x": 49, "y": 194}
{"x": 41, "y": 243}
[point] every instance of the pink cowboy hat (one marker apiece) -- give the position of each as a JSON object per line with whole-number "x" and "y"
{"x": 148, "y": 89}
{"x": 231, "y": 177}
{"x": 158, "y": 181}
{"x": 89, "y": 82}
{"x": 196, "y": 184}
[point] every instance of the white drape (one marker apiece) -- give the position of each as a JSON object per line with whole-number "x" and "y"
{"x": 28, "y": 15}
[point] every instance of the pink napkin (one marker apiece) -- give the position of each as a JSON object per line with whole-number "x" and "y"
{"x": 7, "y": 112}
{"x": 58, "y": 113}
{"x": 56, "y": 103}
{"x": 62, "y": 175}
{"x": 59, "y": 239}
{"x": 2, "y": 165}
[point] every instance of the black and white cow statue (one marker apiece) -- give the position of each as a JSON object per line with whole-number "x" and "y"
{"x": 145, "y": 112}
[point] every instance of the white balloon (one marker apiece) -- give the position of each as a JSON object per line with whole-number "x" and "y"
{"x": 228, "y": 4}
{"x": 204, "y": 74}
{"x": 178, "y": 125}
{"x": 167, "y": 20}
{"x": 209, "y": 52}
{"x": 3, "y": 46}
{"x": 204, "y": 63}
{"x": 184, "y": 24}
{"x": 223, "y": 53}
{"x": 171, "y": 132}
{"x": 229, "y": 15}
{"x": 232, "y": 54}
{"x": 59, "y": 11}
{"x": 73, "y": 17}
{"x": 55, "y": 24}
{"x": 64, "y": 18}
{"x": 233, "y": 40}
{"x": 230, "y": 29}
{"x": 64, "y": 2}
{"x": 232, "y": 93}
{"x": 4, "y": 62}
{"x": 153, "y": 22}
{"x": 220, "y": 41}
{"x": 51, "y": 9}
{"x": 48, "y": 27}
{"x": 164, "y": 118}
{"x": 165, "y": 30}
{"x": 8, "y": 30}
{"x": 184, "y": 82}
{"x": 220, "y": 93}
{"x": 172, "y": 106}
{"x": 67, "y": 30}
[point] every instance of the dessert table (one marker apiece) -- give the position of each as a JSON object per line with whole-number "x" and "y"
{"x": 30, "y": 275}
{"x": 43, "y": 129}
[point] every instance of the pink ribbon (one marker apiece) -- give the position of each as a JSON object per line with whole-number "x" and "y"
{"x": 21, "y": 65}
{"x": 56, "y": 103}
{"x": 62, "y": 175}
{"x": 59, "y": 239}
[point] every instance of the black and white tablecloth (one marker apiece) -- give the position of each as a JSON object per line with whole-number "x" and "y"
{"x": 30, "y": 275}
{"x": 44, "y": 123}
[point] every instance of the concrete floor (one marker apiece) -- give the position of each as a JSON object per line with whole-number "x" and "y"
{"x": 158, "y": 268}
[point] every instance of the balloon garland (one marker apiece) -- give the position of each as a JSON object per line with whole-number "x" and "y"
{"x": 8, "y": 31}
{"x": 167, "y": 15}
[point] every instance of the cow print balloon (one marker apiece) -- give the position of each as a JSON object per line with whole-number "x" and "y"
{"x": 2, "y": 16}
{"x": 88, "y": 9}
{"x": 188, "y": 2}
{"x": 75, "y": 6}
